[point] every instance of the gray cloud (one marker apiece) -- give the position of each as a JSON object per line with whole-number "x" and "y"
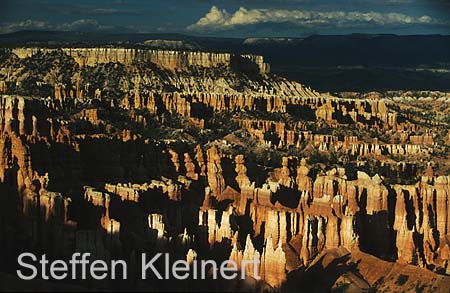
{"x": 82, "y": 25}
{"x": 105, "y": 11}
{"x": 399, "y": 1}
{"x": 86, "y": 24}
{"x": 217, "y": 19}
{"x": 113, "y": 11}
{"x": 24, "y": 25}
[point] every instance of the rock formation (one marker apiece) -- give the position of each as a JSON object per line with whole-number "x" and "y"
{"x": 206, "y": 155}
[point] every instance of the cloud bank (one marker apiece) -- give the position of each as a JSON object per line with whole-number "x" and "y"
{"x": 217, "y": 19}
{"x": 77, "y": 25}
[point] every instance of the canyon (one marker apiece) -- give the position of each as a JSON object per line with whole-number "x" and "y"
{"x": 118, "y": 152}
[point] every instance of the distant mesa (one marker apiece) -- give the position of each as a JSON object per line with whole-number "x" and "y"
{"x": 171, "y": 44}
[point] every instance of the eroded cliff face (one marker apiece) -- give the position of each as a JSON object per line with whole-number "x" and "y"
{"x": 164, "y": 58}
{"x": 225, "y": 166}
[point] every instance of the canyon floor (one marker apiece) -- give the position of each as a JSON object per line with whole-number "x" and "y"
{"x": 123, "y": 151}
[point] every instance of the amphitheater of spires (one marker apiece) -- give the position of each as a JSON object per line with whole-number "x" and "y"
{"x": 82, "y": 173}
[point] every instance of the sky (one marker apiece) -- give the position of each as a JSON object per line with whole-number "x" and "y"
{"x": 229, "y": 18}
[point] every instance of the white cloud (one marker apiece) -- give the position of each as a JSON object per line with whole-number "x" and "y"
{"x": 214, "y": 17}
{"x": 217, "y": 19}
